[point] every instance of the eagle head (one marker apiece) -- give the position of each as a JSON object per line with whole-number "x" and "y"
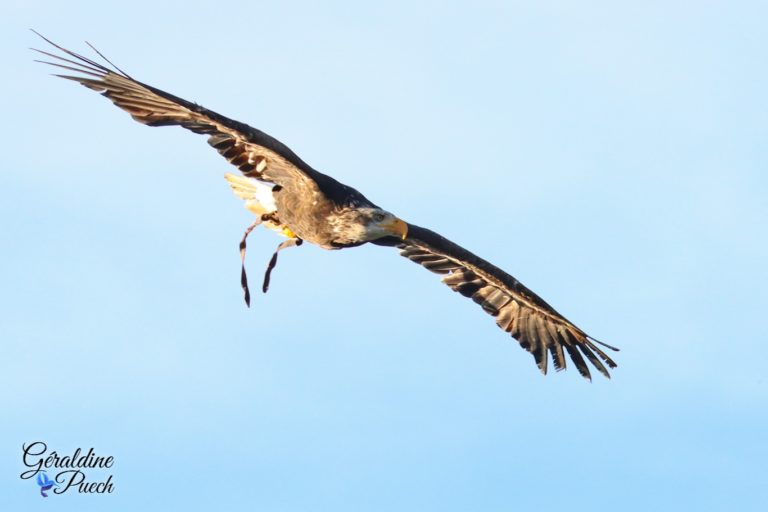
{"x": 360, "y": 225}
{"x": 380, "y": 223}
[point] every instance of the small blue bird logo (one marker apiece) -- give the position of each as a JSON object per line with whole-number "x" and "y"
{"x": 45, "y": 483}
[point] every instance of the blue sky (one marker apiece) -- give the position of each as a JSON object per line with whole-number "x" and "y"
{"x": 609, "y": 155}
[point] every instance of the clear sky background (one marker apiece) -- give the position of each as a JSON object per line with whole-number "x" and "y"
{"x": 610, "y": 155}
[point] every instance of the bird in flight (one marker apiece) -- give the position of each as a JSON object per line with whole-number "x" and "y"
{"x": 304, "y": 205}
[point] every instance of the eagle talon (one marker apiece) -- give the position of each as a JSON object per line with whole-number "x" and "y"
{"x": 270, "y": 217}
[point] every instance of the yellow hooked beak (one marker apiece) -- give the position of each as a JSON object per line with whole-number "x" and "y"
{"x": 397, "y": 227}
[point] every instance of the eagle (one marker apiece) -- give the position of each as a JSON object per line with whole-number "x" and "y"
{"x": 302, "y": 204}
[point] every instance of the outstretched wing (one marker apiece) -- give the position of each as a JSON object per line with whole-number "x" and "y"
{"x": 254, "y": 152}
{"x": 519, "y": 311}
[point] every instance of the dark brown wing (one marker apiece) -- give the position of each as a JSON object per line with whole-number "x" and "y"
{"x": 254, "y": 152}
{"x": 519, "y": 311}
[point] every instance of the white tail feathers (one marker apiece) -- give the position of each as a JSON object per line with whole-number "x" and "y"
{"x": 256, "y": 194}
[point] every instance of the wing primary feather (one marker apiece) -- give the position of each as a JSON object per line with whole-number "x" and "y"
{"x": 558, "y": 358}
{"x": 94, "y": 85}
{"x": 73, "y": 54}
{"x": 70, "y": 68}
{"x": 539, "y": 346}
{"x": 548, "y": 341}
{"x": 602, "y": 354}
{"x": 109, "y": 61}
{"x": 604, "y": 344}
{"x": 94, "y": 68}
{"x": 594, "y": 360}
{"x": 581, "y": 365}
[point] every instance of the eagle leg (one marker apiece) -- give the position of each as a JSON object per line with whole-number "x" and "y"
{"x": 243, "y": 276}
{"x": 273, "y": 261}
